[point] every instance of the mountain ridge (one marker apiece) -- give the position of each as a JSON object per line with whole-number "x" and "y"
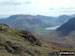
{"x": 28, "y": 22}
{"x": 35, "y": 24}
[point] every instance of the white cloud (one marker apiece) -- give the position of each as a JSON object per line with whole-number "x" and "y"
{"x": 34, "y": 7}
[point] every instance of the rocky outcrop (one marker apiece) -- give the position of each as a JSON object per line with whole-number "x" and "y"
{"x": 28, "y": 35}
{"x": 3, "y": 27}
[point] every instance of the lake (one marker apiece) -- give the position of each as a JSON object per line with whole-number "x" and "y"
{"x": 52, "y": 28}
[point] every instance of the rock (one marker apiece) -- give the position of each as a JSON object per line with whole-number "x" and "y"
{"x": 3, "y": 27}
{"x": 27, "y": 35}
{"x": 2, "y": 48}
{"x": 53, "y": 53}
{"x": 38, "y": 52}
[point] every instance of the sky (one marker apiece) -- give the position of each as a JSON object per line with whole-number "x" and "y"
{"x": 37, "y": 7}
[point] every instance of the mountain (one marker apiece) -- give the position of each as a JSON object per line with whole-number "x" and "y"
{"x": 46, "y": 19}
{"x": 67, "y": 27}
{"x": 36, "y": 24}
{"x": 63, "y": 18}
{"x": 15, "y": 42}
{"x": 29, "y": 22}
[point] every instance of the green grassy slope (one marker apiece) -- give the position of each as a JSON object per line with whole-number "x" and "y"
{"x": 20, "y": 43}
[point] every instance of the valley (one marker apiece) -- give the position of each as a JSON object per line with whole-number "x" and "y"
{"x": 37, "y": 27}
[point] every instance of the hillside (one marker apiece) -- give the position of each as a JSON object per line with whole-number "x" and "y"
{"x": 15, "y": 42}
{"x": 67, "y": 27}
{"x": 19, "y": 43}
{"x": 64, "y": 42}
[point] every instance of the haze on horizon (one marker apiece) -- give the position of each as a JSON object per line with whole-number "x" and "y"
{"x": 37, "y": 7}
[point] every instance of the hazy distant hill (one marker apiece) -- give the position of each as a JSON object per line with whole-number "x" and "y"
{"x": 29, "y": 22}
{"x": 62, "y": 19}
{"x": 36, "y": 24}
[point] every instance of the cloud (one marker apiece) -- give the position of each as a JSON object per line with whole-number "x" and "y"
{"x": 34, "y": 7}
{"x": 62, "y": 9}
{"x": 10, "y": 3}
{"x": 14, "y": 3}
{"x": 28, "y": 2}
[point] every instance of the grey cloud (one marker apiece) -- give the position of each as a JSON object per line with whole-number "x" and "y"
{"x": 14, "y": 3}
{"x": 51, "y": 8}
{"x": 63, "y": 9}
{"x": 10, "y": 3}
{"x": 28, "y": 2}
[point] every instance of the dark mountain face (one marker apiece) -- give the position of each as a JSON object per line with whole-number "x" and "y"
{"x": 67, "y": 28}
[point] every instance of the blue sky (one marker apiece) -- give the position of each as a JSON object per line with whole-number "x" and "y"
{"x": 37, "y": 7}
